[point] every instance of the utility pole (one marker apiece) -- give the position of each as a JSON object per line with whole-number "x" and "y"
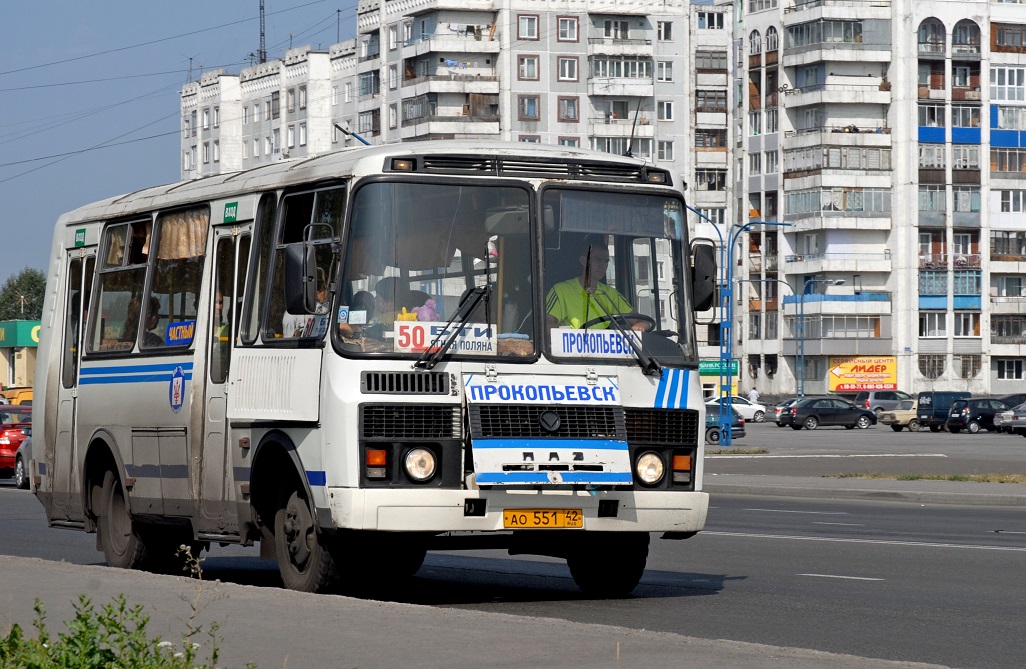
{"x": 338, "y": 24}
{"x": 262, "y": 54}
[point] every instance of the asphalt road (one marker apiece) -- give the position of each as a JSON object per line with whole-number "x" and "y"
{"x": 936, "y": 584}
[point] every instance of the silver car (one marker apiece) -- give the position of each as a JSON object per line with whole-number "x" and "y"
{"x": 21, "y": 464}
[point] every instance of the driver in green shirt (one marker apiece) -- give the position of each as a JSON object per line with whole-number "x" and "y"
{"x": 569, "y": 304}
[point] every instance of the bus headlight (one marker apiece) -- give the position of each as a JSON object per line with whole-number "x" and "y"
{"x": 650, "y": 468}
{"x": 420, "y": 464}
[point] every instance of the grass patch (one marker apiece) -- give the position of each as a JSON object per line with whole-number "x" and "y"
{"x": 965, "y": 478}
{"x": 737, "y": 451}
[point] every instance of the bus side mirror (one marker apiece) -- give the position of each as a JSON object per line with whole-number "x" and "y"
{"x": 300, "y": 279}
{"x": 703, "y": 276}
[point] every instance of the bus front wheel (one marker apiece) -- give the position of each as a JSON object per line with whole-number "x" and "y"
{"x": 303, "y": 560}
{"x": 609, "y": 566}
{"x": 122, "y": 545}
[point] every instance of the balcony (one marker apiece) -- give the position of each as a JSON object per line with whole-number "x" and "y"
{"x": 932, "y": 49}
{"x": 427, "y": 126}
{"x": 931, "y": 92}
{"x": 621, "y": 86}
{"x": 604, "y": 126}
{"x": 1007, "y": 304}
{"x": 966, "y": 94}
{"x": 612, "y": 46}
{"x": 829, "y": 93}
{"x": 933, "y": 261}
{"x": 453, "y": 82}
{"x": 451, "y": 42}
{"x": 860, "y": 4}
{"x": 814, "y": 263}
{"x": 757, "y": 263}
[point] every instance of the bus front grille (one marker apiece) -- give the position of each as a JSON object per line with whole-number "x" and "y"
{"x": 404, "y": 383}
{"x": 537, "y": 168}
{"x": 521, "y": 421}
{"x": 410, "y": 421}
{"x": 662, "y": 426}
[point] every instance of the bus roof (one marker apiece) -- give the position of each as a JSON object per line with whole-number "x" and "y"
{"x": 355, "y": 161}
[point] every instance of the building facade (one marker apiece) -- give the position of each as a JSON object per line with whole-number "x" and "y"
{"x": 887, "y": 137}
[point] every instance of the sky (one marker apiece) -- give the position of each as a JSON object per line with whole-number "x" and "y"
{"x": 90, "y": 95}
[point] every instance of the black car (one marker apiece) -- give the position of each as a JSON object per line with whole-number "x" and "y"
{"x": 712, "y": 425}
{"x": 974, "y": 413}
{"x": 810, "y": 413}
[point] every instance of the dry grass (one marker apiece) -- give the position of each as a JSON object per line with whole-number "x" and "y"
{"x": 971, "y": 478}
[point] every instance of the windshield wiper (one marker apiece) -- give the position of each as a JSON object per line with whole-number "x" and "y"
{"x": 434, "y": 352}
{"x": 648, "y": 364}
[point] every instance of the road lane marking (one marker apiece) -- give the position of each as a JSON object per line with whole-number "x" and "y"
{"x": 828, "y": 455}
{"x": 1007, "y": 532}
{"x": 816, "y": 513}
{"x": 819, "y": 522}
{"x": 850, "y": 578}
{"x": 881, "y": 542}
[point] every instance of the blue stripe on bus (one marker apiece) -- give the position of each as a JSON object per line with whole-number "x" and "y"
{"x": 134, "y": 369}
{"x": 660, "y": 396}
{"x": 672, "y": 392}
{"x": 317, "y": 478}
{"x": 543, "y": 477}
{"x": 152, "y": 378}
{"x": 552, "y": 444}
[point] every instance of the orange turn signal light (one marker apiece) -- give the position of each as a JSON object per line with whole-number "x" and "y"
{"x": 681, "y": 463}
{"x": 376, "y": 457}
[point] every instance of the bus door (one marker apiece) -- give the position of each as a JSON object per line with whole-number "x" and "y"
{"x": 231, "y": 259}
{"x": 64, "y": 459}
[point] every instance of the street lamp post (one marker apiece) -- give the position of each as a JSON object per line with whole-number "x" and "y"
{"x": 726, "y": 360}
{"x": 800, "y": 367}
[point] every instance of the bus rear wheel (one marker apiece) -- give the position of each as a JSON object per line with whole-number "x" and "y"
{"x": 122, "y": 544}
{"x": 303, "y": 560}
{"x": 609, "y": 566}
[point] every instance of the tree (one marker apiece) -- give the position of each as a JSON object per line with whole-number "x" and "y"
{"x": 21, "y": 297}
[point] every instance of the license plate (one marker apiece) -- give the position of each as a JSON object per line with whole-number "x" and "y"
{"x": 534, "y": 519}
{"x": 954, "y": 415}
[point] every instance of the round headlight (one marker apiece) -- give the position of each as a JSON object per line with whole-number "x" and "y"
{"x": 650, "y": 468}
{"x": 420, "y": 464}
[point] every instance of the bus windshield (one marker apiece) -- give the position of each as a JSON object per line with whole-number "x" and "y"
{"x": 612, "y": 276}
{"x": 417, "y": 252}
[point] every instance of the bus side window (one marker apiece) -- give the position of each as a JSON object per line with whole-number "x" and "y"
{"x": 255, "y": 303}
{"x": 115, "y": 324}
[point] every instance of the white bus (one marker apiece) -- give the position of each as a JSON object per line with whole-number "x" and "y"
{"x": 357, "y": 357}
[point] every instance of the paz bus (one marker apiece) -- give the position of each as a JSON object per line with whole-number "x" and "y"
{"x": 348, "y": 360}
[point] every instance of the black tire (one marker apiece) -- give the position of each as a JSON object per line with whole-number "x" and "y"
{"x": 935, "y": 428}
{"x": 122, "y": 544}
{"x": 304, "y": 561}
{"x": 849, "y": 427}
{"x": 810, "y": 423}
{"x": 712, "y": 435}
{"x": 954, "y": 429}
{"x": 973, "y": 427}
{"x": 609, "y": 566}
{"x": 779, "y": 424}
{"x": 863, "y": 422}
{"x": 913, "y": 425}
{"x": 759, "y": 416}
{"x": 796, "y": 427}
{"x": 21, "y": 479}
{"x": 896, "y": 427}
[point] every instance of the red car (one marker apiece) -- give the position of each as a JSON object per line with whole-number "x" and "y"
{"x": 15, "y": 425}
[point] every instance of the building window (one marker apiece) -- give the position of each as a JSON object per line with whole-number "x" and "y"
{"x": 931, "y": 366}
{"x": 527, "y": 26}
{"x": 931, "y": 115}
{"x": 772, "y": 120}
{"x": 717, "y": 216}
{"x": 711, "y": 138}
{"x": 567, "y": 69}
{"x": 664, "y": 110}
{"x": 710, "y": 21}
{"x": 933, "y": 324}
{"x": 664, "y": 150}
{"x": 349, "y": 92}
{"x": 275, "y": 105}
{"x": 393, "y": 37}
{"x": 772, "y": 164}
{"x": 302, "y": 97}
{"x": 772, "y": 36}
{"x": 711, "y": 60}
{"x": 967, "y": 324}
{"x": 1012, "y": 118}
{"x": 245, "y": 150}
{"x": 206, "y": 119}
{"x": 529, "y": 139}
{"x": 186, "y": 161}
{"x": 965, "y": 116}
{"x": 1010, "y": 369}
{"x": 302, "y": 134}
{"x": 570, "y": 141}
{"x": 290, "y": 100}
{"x": 931, "y": 198}
{"x": 967, "y": 199}
{"x": 256, "y": 147}
{"x": 527, "y": 106}
{"x": 1008, "y": 285}
{"x": 965, "y": 157}
{"x": 1008, "y": 83}
{"x": 755, "y": 123}
{"x": 245, "y": 115}
{"x": 931, "y": 156}
{"x": 664, "y": 31}
{"x": 755, "y": 43}
{"x": 568, "y": 109}
{"x": 664, "y": 70}
{"x": 1013, "y": 201}
{"x": 334, "y": 96}
{"x": 567, "y": 29}
{"x": 193, "y": 123}
{"x": 290, "y": 136}
{"x": 711, "y": 101}
{"x": 711, "y": 180}
{"x": 393, "y": 77}
{"x": 615, "y": 29}
{"x": 393, "y": 116}
{"x": 206, "y": 152}
{"x": 755, "y": 163}
{"x": 217, "y": 117}
{"x": 624, "y": 67}
{"x": 967, "y": 366}
{"x": 528, "y": 67}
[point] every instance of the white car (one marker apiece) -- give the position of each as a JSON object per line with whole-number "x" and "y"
{"x": 748, "y": 410}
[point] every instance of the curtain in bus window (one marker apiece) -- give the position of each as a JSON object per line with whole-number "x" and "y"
{"x": 170, "y": 310}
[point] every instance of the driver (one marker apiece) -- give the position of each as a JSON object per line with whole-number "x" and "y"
{"x": 569, "y": 304}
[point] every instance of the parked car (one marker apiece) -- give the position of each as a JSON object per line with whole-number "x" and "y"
{"x": 18, "y": 396}
{"x": 1012, "y": 420}
{"x": 905, "y": 415}
{"x": 21, "y": 464}
{"x": 748, "y": 410}
{"x": 1013, "y": 400}
{"x": 15, "y": 425}
{"x": 974, "y": 414}
{"x": 880, "y": 400}
{"x": 712, "y": 425}
{"x": 782, "y": 413}
{"x": 811, "y": 413}
{"x": 933, "y": 407}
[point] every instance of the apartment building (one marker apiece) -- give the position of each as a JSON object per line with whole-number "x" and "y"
{"x": 867, "y": 131}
